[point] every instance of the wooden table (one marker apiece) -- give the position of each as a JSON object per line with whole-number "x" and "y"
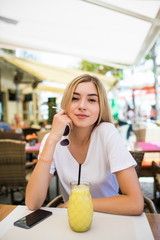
{"x": 32, "y": 149}
{"x": 5, "y": 210}
{"x": 146, "y": 147}
{"x": 152, "y": 152}
{"x": 153, "y": 219}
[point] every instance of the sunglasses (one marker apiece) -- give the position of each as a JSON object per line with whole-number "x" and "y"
{"x": 65, "y": 140}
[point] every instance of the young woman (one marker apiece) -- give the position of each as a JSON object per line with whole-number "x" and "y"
{"x": 95, "y": 143}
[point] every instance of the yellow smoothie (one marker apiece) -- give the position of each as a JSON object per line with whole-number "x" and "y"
{"x": 80, "y": 208}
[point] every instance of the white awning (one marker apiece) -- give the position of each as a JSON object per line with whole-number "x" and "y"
{"x": 44, "y": 72}
{"x": 111, "y": 32}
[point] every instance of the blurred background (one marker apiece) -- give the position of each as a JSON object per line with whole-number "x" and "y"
{"x": 45, "y": 44}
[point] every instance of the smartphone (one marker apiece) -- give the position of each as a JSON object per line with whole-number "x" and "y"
{"x": 33, "y": 218}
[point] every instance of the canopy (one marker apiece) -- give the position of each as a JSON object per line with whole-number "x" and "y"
{"x": 45, "y": 72}
{"x": 111, "y": 32}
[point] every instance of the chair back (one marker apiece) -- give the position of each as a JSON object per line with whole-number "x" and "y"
{"x": 10, "y": 135}
{"x": 149, "y": 206}
{"x": 12, "y": 163}
{"x": 138, "y": 156}
{"x": 155, "y": 168}
{"x": 156, "y": 176}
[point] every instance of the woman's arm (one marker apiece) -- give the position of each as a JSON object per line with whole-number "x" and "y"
{"x": 130, "y": 202}
{"x": 40, "y": 179}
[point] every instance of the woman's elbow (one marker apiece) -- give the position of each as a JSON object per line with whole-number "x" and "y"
{"x": 32, "y": 206}
{"x": 138, "y": 207}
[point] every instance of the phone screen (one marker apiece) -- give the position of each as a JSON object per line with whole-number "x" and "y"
{"x": 31, "y": 219}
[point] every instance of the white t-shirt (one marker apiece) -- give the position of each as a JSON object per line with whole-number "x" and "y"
{"x": 106, "y": 155}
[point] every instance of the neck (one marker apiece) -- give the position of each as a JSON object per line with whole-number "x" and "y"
{"x": 80, "y": 136}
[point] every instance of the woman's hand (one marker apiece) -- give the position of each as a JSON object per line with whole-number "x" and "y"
{"x": 60, "y": 121}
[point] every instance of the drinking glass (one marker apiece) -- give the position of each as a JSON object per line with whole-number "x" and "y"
{"x": 80, "y": 207}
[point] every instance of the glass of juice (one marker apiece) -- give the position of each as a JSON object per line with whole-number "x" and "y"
{"x": 80, "y": 207}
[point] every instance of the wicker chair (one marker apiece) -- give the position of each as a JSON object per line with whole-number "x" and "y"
{"x": 10, "y": 135}
{"x": 13, "y": 167}
{"x": 149, "y": 206}
{"x": 148, "y": 203}
{"x": 156, "y": 175}
{"x": 56, "y": 201}
{"x": 138, "y": 156}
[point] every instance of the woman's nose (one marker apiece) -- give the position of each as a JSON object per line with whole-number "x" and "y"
{"x": 82, "y": 104}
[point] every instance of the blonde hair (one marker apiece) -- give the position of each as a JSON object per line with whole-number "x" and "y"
{"x": 104, "y": 112}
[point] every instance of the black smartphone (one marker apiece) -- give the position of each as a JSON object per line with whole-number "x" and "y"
{"x": 33, "y": 218}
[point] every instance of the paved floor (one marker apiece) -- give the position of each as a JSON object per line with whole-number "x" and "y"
{"x": 147, "y": 186}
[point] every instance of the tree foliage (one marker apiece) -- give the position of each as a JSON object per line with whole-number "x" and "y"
{"x": 100, "y": 68}
{"x": 10, "y": 51}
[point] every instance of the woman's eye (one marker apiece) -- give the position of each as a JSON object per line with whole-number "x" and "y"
{"x": 92, "y": 100}
{"x": 75, "y": 99}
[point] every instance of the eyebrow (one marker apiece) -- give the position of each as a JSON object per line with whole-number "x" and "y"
{"x": 91, "y": 94}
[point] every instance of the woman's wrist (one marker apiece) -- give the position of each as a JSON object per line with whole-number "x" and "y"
{"x": 52, "y": 138}
{"x": 44, "y": 159}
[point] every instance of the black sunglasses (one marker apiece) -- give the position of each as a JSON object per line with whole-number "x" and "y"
{"x": 65, "y": 141}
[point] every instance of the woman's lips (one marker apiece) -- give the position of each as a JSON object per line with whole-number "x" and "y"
{"x": 82, "y": 116}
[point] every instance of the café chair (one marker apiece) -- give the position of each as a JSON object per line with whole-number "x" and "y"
{"x": 10, "y": 135}
{"x": 138, "y": 156}
{"x": 56, "y": 201}
{"x": 148, "y": 203}
{"x": 149, "y": 206}
{"x": 156, "y": 176}
{"x": 13, "y": 171}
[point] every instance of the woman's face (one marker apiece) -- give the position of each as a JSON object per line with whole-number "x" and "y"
{"x": 84, "y": 107}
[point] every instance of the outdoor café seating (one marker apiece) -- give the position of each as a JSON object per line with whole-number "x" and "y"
{"x": 156, "y": 175}
{"x": 10, "y": 135}
{"x": 138, "y": 156}
{"x": 14, "y": 173}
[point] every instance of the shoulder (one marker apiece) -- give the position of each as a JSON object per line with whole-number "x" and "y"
{"x": 104, "y": 130}
{"x": 105, "y": 126}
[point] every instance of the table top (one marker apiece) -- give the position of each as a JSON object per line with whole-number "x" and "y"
{"x": 32, "y": 149}
{"x": 153, "y": 219}
{"x": 148, "y": 148}
{"x": 144, "y": 147}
